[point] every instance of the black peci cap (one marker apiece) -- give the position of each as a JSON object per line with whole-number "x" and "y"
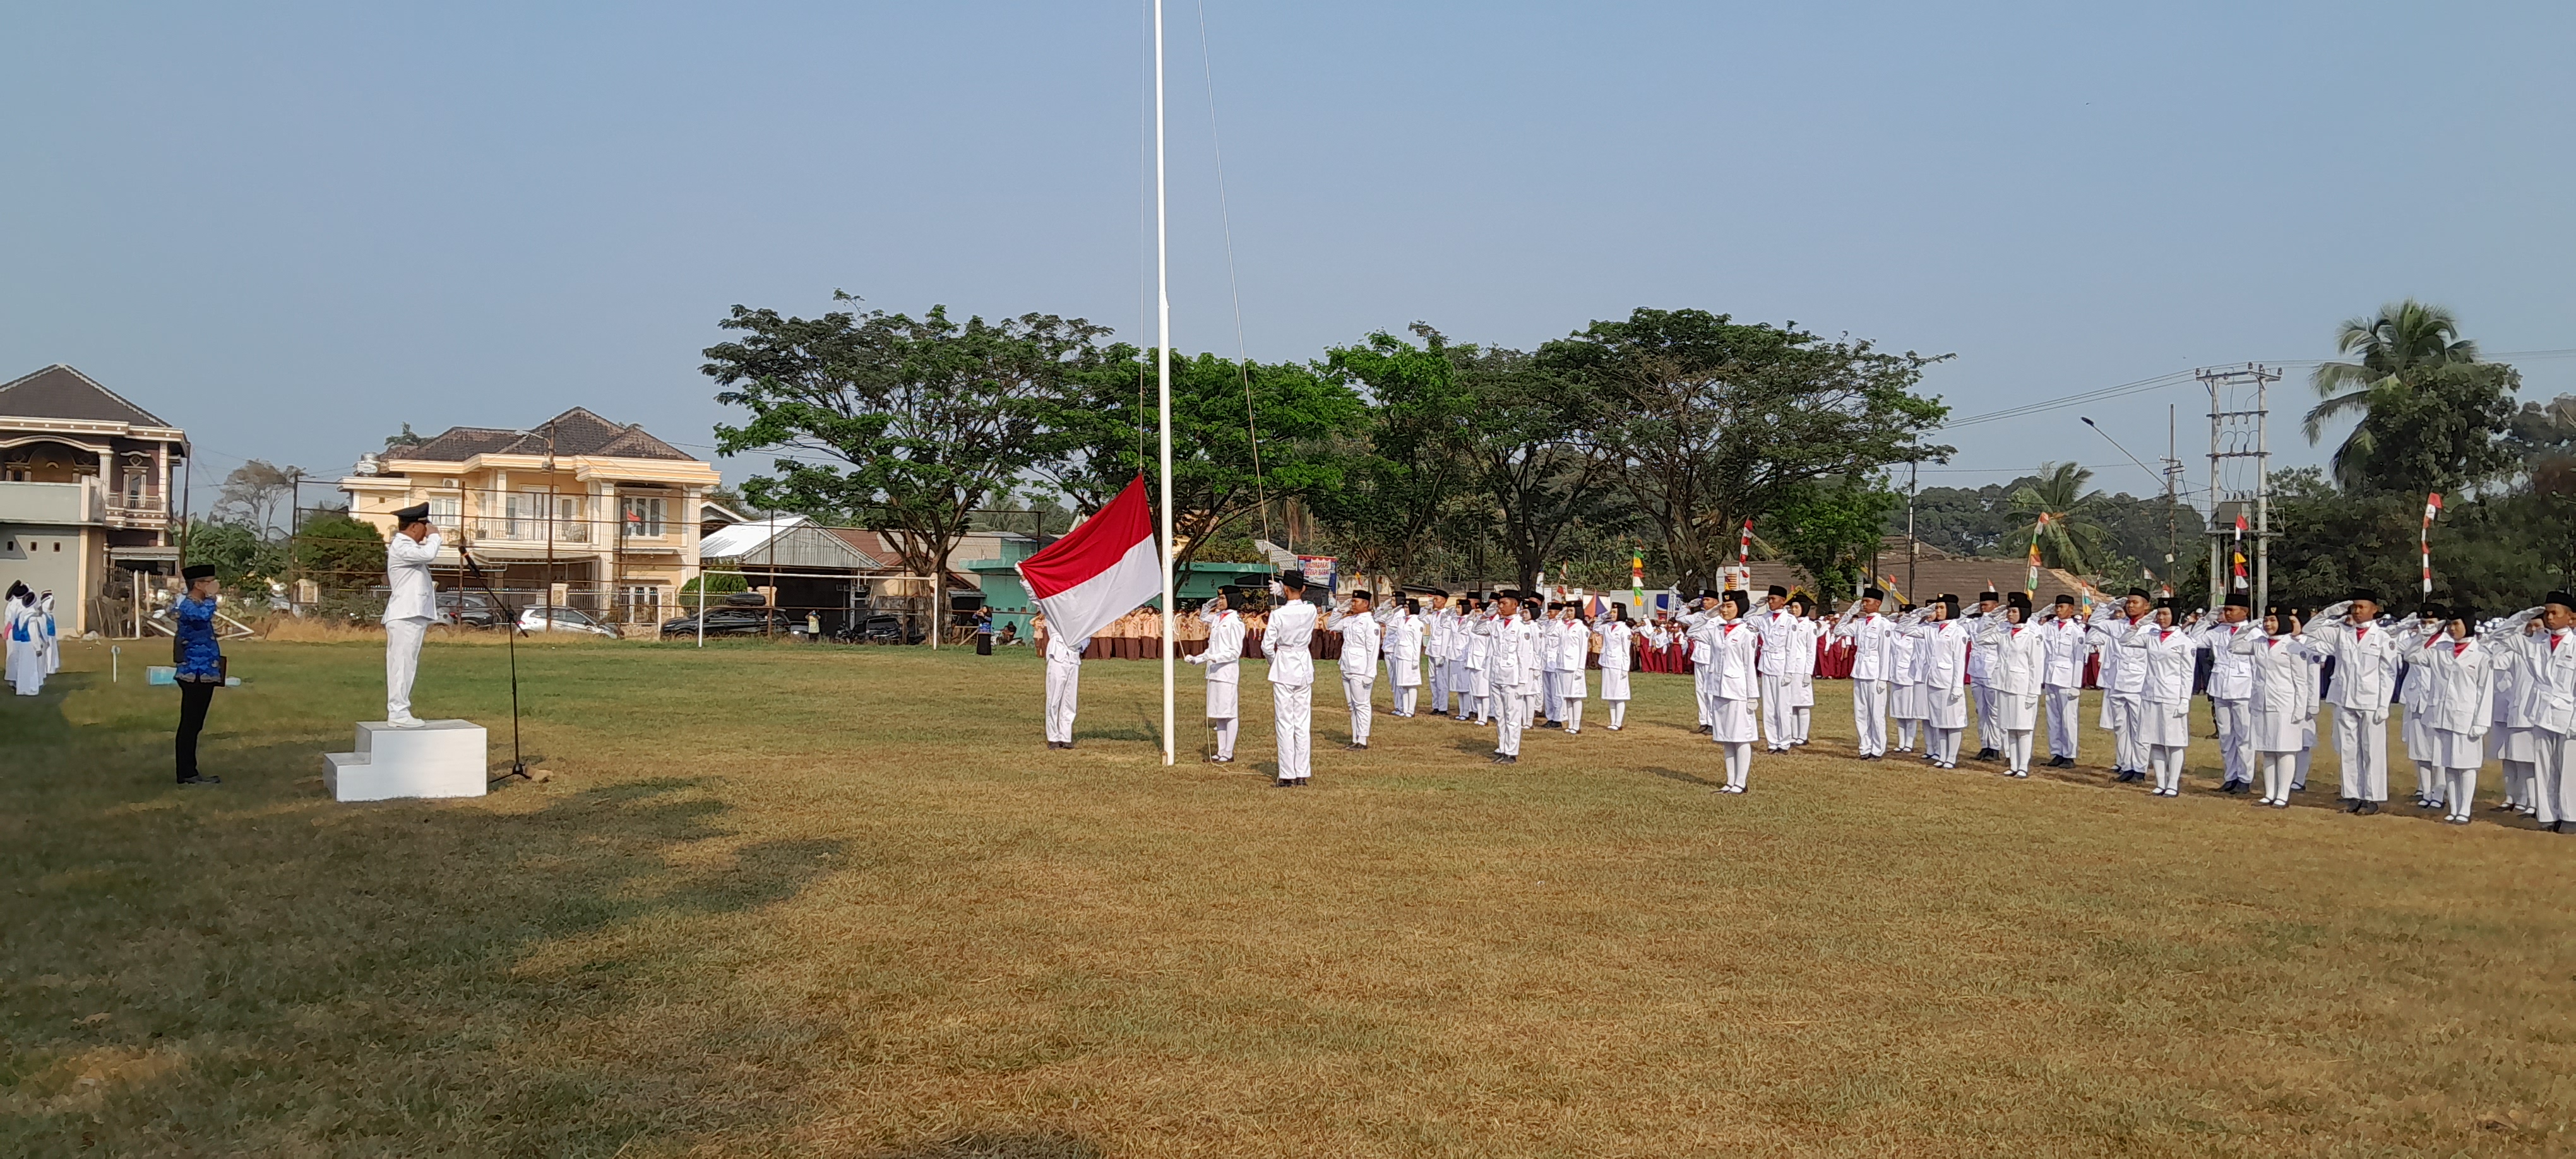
{"x": 416, "y": 513}
{"x": 2562, "y": 599}
{"x": 2138, "y": 593}
{"x": 1292, "y": 580}
{"x": 197, "y": 571}
{"x": 1777, "y": 590}
{"x": 2239, "y": 600}
{"x": 2359, "y": 594}
{"x": 1872, "y": 594}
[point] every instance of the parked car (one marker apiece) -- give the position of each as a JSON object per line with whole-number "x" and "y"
{"x": 462, "y": 608}
{"x": 562, "y": 619}
{"x": 883, "y": 629}
{"x": 739, "y": 622}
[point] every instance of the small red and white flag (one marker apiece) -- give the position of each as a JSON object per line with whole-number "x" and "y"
{"x": 2239, "y": 553}
{"x": 1099, "y": 571}
{"x": 2432, "y": 508}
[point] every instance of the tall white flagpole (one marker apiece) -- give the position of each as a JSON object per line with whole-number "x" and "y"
{"x": 1163, "y": 373}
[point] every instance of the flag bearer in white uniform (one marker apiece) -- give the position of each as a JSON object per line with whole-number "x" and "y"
{"x": 1729, "y": 641}
{"x": 1223, "y": 658}
{"x": 2163, "y": 655}
{"x": 2016, "y": 665}
{"x": 2061, "y": 683}
{"x": 2511, "y": 738}
{"x": 2124, "y": 681}
{"x": 1292, "y": 677}
{"x": 1989, "y": 733}
{"x": 410, "y": 608}
{"x": 1870, "y": 633}
{"x": 2282, "y": 711}
{"x": 2365, "y": 655}
{"x": 1478, "y": 696}
{"x": 1779, "y": 628}
{"x": 1574, "y": 648}
{"x": 1617, "y": 644}
{"x": 1360, "y": 630}
{"x": 2231, "y": 686}
{"x": 2549, "y": 700}
{"x": 1404, "y": 644}
{"x": 1063, "y": 686}
{"x": 2458, "y": 668}
{"x": 1510, "y": 654}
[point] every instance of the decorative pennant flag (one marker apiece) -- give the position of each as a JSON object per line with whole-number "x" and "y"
{"x": 1744, "y": 545}
{"x": 1100, "y": 570}
{"x": 2432, "y": 508}
{"x": 1637, "y": 580}
{"x": 2030, "y": 583}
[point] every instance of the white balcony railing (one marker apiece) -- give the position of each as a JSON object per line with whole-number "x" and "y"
{"x": 54, "y": 503}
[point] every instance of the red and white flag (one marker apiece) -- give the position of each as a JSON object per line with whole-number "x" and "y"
{"x": 1099, "y": 571}
{"x": 2432, "y": 510}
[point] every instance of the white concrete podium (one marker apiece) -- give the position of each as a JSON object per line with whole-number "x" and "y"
{"x": 442, "y": 758}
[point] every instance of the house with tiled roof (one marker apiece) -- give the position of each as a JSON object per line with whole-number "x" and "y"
{"x": 577, "y": 510}
{"x": 89, "y": 490}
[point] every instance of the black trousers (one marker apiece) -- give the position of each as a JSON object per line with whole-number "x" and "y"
{"x": 193, "y": 699}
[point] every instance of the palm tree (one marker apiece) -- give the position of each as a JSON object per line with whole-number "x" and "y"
{"x": 2406, "y": 337}
{"x": 2066, "y": 517}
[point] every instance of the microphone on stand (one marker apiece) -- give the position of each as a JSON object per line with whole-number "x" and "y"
{"x": 464, "y": 552}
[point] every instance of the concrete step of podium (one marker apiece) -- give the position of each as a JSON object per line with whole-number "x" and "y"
{"x": 442, "y": 758}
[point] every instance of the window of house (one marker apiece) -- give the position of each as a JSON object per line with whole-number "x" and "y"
{"x": 641, "y": 517}
{"x": 445, "y": 511}
{"x": 643, "y": 602}
{"x": 572, "y": 523}
{"x": 134, "y": 486}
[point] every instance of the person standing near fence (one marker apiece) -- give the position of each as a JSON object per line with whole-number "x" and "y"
{"x": 410, "y": 608}
{"x": 200, "y": 661}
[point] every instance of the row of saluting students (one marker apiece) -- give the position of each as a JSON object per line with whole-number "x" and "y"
{"x": 2474, "y": 689}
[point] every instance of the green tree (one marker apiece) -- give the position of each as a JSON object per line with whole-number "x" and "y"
{"x": 252, "y": 495}
{"x": 1406, "y": 468}
{"x": 1528, "y": 439}
{"x": 2390, "y": 354}
{"x": 921, "y": 421}
{"x": 1829, "y": 527}
{"x": 336, "y": 551}
{"x": 2066, "y": 516}
{"x": 1243, "y": 433}
{"x": 239, "y": 554}
{"x": 1709, "y": 421}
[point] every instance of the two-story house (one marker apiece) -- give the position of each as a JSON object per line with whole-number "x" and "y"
{"x": 89, "y": 488}
{"x": 603, "y": 509}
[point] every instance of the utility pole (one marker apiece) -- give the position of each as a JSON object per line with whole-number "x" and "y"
{"x": 1912, "y": 471}
{"x": 2239, "y": 433}
{"x": 2173, "y": 491}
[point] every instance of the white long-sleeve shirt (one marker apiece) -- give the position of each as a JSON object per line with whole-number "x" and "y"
{"x": 414, "y": 595}
{"x": 2065, "y": 643}
{"x": 2365, "y": 657}
{"x": 1284, "y": 641}
{"x": 1871, "y": 635}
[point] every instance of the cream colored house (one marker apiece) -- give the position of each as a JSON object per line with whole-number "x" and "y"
{"x": 89, "y": 486}
{"x": 576, "y": 510}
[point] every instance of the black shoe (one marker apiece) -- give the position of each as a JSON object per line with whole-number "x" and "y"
{"x": 1507, "y": 760}
{"x": 2368, "y": 808}
{"x": 2553, "y": 827}
{"x": 1354, "y": 746}
{"x": 1987, "y": 754}
{"x": 201, "y": 779}
{"x": 2233, "y": 788}
{"x": 1281, "y": 783}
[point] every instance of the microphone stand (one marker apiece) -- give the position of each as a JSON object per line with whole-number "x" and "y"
{"x": 518, "y": 764}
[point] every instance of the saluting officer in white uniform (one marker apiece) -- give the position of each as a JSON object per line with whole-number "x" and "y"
{"x": 1292, "y": 677}
{"x": 410, "y": 609}
{"x": 1224, "y": 661}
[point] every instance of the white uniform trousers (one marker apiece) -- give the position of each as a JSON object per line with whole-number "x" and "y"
{"x": 2235, "y": 738}
{"x": 1869, "y": 716}
{"x": 2128, "y": 735}
{"x": 1063, "y": 687}
{"x": 1779, "y": 727}
{"x": 1440, "y": 687}
{"x": 1358, "y": 690}
{"x": 2551, "y": 794}
{"x": 2063, "y": 706}
{"x": 2361, "y": 744}
{"x": 1508, "y": 717}
{"x": 402, "y": 662}
{"x": 1226, "y": 730}
{"x": 1989, "y": 734}
{"x": 1292, "y": 714}
{"x": 1552, "y": 685}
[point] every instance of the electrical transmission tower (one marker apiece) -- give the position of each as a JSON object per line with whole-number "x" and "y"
{"x": 2240, "y": 471}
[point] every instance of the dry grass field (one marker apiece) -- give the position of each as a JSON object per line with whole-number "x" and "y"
{"x": 827, "y": 901}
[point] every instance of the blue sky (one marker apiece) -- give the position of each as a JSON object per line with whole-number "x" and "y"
{"x": 292, "y": 229}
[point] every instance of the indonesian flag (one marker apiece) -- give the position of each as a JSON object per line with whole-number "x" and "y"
{"x": 1099, "y": 571}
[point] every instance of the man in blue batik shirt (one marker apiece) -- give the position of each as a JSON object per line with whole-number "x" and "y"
{"x": 201, "y": 667}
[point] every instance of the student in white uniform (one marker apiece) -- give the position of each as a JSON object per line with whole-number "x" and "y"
{"x": 2365, "y": 655}
{"x": 1906, "y": 701}
{"x": 1479, "y": 662}
{"x": 2511, "y": 738}
{"x": 1617, "y": 642}
{"x": 1801, "y": 667}
{"x": 410, "y": 609}
{"x": 53, "y": 638}
{"x": 2415, "y": 695}
{"x": 2312, "y": 679}
{"x": 1695, "y": 646}
{"x": 2123, "y": 679}
{"x": 1779, "y": 628}
{"x": 1357, "y": 621}
{"x": 1735, "y": 686}
{"x": 1941, "y": 657}
{"x": 1550, "y": 622}
{"x": 2231, "y": 686}
{"x": 2549, "y": 698}
{"x": 1284, "y": 641}
{"x": 1989, "y": 732}
{"x": 1574, "y": 649}
{"x": 1509, "y": 653}
{"x": 1435, "y": 647}
{"x": 2282, "y": 710}
{"x": 1223, "y": 658}
{"x": 1403, "y": 648}
{"x": 2458, "y": 670}
{"x": 1456, "y": 653}
{"x": 2163, "y": 654}
{"x": 2063, "y": 638}
{"x": 1533, "y": 678}
{"x": 2016, "y": 665}
{"x": 1063, "y": 686}
{"x": 1870, "y": 633}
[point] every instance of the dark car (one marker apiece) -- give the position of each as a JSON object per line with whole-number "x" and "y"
{"x": 738, "y": 622}
{"x": 881, "y": 629}
{"x": 464, "y": 608}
